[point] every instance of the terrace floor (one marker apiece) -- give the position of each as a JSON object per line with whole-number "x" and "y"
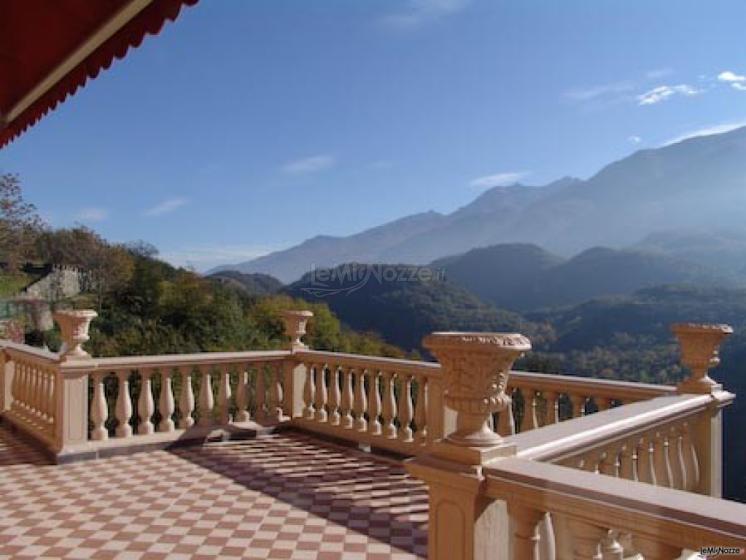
{"x": 283, "y": 496}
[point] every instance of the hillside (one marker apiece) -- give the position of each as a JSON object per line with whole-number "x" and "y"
{"x": 523, "y": 277}
{"x": 696, "y": 184}
{"x": 386, "y": 299}
{"x": 252, "y": 284}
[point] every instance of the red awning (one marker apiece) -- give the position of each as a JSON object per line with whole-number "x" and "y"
{"x": 49, "y": 48}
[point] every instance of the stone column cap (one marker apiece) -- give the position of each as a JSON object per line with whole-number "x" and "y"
{"x": 297, "y": 313}
{"x": 477, "y": 340}
{"x": 701, "y": 328}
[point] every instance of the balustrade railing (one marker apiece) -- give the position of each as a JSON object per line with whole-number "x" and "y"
{"x": 588, "y": 468}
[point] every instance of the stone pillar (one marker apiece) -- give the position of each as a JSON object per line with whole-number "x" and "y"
{"x": 7, "y": 370}
{"x": 464, "y": 523}
{"x": 700, "y": 344}
{"x": 71, "y": 384}
{"x": 294, "y": 371}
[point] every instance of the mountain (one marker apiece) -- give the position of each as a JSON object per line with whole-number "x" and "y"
{"x": 402, "y": 303}
{"x": 253, "y": 284}
{"x": 721, "y": 250}
{"x": 525, "y": 277}
{"x": 508, "y": 275}
{"x": 325, "y": 251}
{"x": 698, "y": 183}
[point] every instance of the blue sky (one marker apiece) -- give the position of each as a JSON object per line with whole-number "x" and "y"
{"x": 247, "y": 127}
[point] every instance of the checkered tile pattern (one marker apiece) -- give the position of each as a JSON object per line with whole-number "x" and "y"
{"x": 285, "y": 496}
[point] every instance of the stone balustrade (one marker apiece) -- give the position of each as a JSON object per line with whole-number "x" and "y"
{"x": 572, "y": 467}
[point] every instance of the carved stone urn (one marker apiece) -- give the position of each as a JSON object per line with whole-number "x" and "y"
{"x": 74, "y": 326}
{"x": 475, "y": 368}
{"x": 700, "y": 344}
{"x": 295, "y": 326}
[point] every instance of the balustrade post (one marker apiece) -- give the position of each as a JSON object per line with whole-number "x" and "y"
{"x": 529, "y": 420}
{"x": 206, "y": 398}
{"x": 7, "y": 371}
{"x": 335, "y": 396}
{"x": 526, "y": 537}
{"x": 276, "y": 394}
{"x": 421, "y": 420}
{"x": 295, "y": 371}
{"x": 242, "y": 395}
{"x": 224, "y": 397}
{"x": 308, "y": 393}
{"x": 186, "y": 399}
{"x": 145, "y": 404}
{"x": 124, "y": 405}
{"x": 166, "y": 405}
{"x": 260, "y": 393}
{"x": 360, "y": 402}
{"x": 464, "y": 523}
{"x": 321, "y": 394}
{"x": 347, "y": 398}
{"x": 389, "y": 405}
{"x": 700, "y": 345}
{"x": 552, "y": 412}
{"x": 99, "y": 408}
{"x": 406, "y": 409}
{"x": 374, "y": 403}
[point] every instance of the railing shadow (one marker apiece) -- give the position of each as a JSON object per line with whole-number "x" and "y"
{"x": 367, "y": 494}
{"x": 15, "y": 450}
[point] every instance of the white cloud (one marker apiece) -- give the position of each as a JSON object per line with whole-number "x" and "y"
{"x": 739, "y": 87}
{"x": 634, "y": 139}
{"x": 204, "y": 257}
{"x": 706, "y": 131}
{"x": 92, "y": 215}
{"x": 498, "y": 179}
{"x": 419, "y": 12}
{"x": 309, "y": 164}
{"x": 658, "y": 73}
{"x": 603, "y": 90}
{"x": 731, "y": 77}
{"x": 662, "y": 93}
{"x": 166, "y": 207}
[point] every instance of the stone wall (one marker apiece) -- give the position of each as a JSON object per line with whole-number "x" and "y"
{"x": 61, "y": 282}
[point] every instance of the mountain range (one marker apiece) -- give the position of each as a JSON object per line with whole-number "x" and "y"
{"x": 687, "y": 190}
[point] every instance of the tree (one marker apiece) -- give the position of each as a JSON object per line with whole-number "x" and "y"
{"x": 106, "y": 267}
{"x": 20, "y": 225}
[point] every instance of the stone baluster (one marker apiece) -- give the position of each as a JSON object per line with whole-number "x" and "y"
{"x": 505, "y": 419}
{"x": 52, "y": 396}
{"x": 260, "y": 392}
{"x": 276, "y": 394}
{"x": 609, "y": 464}
{"x": 389, "y": 405}
{"x": 529, "y": 420}
{"x": 43, "y": 387}
{"x": 34, "y": 389}
{"x": 653, "y": 549}
{"x": 360, "y": 402}
{"x": 420, "y": 411}
{"x": 578, "y": 405}
{"x": 347, "y": 398}
{"x": 627, "y": 461}
{"x": 611, "y": 549}
{"x": 406, "y": 408}
{"x": 586, "y": 539}
{"x": 206, "y": 398}
{"x": 552, "y": 411}
{"x": 242, "y": 395}
{"x": 660, "y": 460}
{"x": 145, "y": 404}
{"x": 525, "y": 521}
{"x": 186, "y": 398}
{"x": 166, "y": 405}
{"x": 691, "y": 461}
{"x": 676, "y": 458}
{"x": 374, "y": 403}
{"x": 224, "y": 397}
{"x": 645, "y": 463}
{"x": 309, "y": 391}
{"x": 99, "y": 408}
{"x": 321, "y": 394}
{"x": 335, "y": 396}
{"x": 124, "y": 405}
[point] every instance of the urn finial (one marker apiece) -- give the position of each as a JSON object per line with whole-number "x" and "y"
{"x": 295, "y": 327}
{"x": 74, "y": 327}
{"x": 700, "y": 344}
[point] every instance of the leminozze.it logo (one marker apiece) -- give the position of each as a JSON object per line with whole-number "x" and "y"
{"x": 711, "y": 551}
{"x": 349, "y": 278}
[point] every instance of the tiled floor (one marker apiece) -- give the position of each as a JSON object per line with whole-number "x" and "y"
{"x": 286, "y": 496}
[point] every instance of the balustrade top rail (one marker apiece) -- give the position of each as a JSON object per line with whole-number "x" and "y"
{"x": 550, "y": 382}
{"x": 565, "y": 439}
{"x": 681, "y": 518}
{"x": 187, "y": 360}
{"x": 13, "y": 348}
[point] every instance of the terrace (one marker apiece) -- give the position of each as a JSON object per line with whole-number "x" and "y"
{"x": 306, "y": 454}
